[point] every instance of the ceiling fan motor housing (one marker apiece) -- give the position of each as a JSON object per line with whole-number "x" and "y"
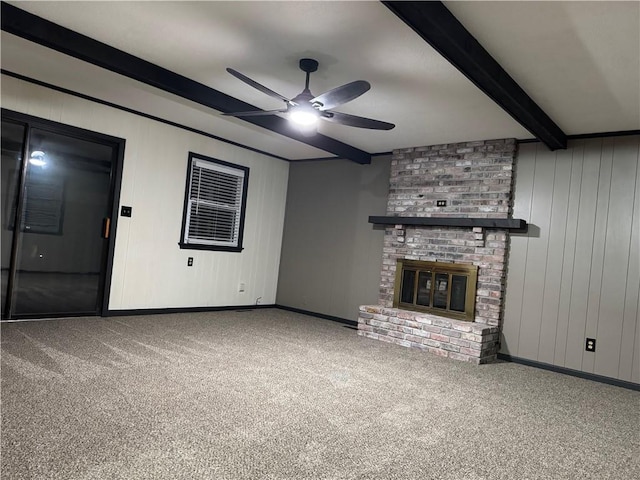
{"x": 308, "y": 65}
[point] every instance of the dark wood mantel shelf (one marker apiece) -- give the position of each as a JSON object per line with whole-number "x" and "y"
{"x": 513, "y": 224}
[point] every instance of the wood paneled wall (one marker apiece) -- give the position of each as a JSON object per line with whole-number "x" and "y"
{"x": 576, "y": 274}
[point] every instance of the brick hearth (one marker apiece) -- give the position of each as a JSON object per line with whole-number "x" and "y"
{"x": 475, "y": 179}
{"x": 469, "y": 341}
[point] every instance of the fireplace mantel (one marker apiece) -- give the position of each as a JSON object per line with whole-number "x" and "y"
{"x": 513, "y": 224}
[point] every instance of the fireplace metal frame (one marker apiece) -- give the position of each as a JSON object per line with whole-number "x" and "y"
{"x": 467, "y": 270}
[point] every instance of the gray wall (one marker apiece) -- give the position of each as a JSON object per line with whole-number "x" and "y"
{"x": 577, "y": 273}
{"x": 331, "y": 256}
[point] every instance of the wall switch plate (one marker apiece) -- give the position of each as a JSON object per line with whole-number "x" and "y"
{"x": 441, "y": 203}
{"x": 125, "y": 211}
{"x": 590, "y": 345}
{"x": 241, "y": 287}
{"x": 190, "y": 262}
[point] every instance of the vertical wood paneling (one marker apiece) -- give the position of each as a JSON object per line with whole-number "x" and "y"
{"x": 586, "y": 267}
{"x": 517, "y": 261}
{"x": 276, "y": 191}
{"x": 630, "y": 347}
{"x": 615, "y": 279}
{"x": 555, "y": 254}
{"x": 583, "y": 252}
{"x": 569, "y": 252}
{"x": 598, "y": 248}
{"x": 537, "y": 251}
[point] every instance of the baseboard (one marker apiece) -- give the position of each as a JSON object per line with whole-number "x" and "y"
{"x": 170, "y": 310}
{"x": 352, "y": 323}
{"x": 570, "y": 371}
{"x": 160, "y": 311}
{"x": 55, "y": 272}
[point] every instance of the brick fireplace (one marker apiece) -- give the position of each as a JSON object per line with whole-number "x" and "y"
{"x": 475, "y": 179}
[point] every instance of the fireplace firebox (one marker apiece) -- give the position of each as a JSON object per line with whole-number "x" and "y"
{"x": 440, "y": 288}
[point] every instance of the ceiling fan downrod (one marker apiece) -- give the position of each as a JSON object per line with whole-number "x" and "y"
{"x": 308, "y": 65}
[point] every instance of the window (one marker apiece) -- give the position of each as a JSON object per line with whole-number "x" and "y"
{"x": 215, "y": 203}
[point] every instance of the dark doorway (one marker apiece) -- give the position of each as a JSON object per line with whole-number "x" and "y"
{"x": 58, "y": 196}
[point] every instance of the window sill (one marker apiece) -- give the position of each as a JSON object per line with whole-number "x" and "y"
{"x": 213, "y": 248}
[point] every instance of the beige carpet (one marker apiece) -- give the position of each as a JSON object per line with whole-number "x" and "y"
{"x": 269, "y": 394}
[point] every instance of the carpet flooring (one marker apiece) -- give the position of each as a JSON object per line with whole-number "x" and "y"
{"x": 271, "y": 394}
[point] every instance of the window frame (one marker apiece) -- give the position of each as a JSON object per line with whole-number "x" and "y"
{"x": 237, "y": 246}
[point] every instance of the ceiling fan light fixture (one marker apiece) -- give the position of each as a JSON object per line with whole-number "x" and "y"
{"x": 305, "y": 117}
{"x": 37, "y": 158}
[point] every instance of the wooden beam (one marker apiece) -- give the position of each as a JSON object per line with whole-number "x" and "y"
{"x": 36, "y": 29}
{"x": 440, "y": 29}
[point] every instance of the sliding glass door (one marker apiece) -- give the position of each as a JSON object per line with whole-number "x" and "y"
{"x": 13, "y": 139}
{"x": 58, "y": 195}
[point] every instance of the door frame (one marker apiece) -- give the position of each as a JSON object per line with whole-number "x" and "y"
{"x": 113, "y": 202}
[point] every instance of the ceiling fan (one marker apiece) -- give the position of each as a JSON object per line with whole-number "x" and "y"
{"x": 305, "y": 109}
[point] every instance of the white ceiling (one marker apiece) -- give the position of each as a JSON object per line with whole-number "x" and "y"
{"x": 579, "y": 61}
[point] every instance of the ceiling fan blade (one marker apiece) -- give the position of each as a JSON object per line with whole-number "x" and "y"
{"x": 254, "y": 113}
{"x": 258, "y": 86}
{"x": 355, "y": 121}
{"x": 341, "y": 95}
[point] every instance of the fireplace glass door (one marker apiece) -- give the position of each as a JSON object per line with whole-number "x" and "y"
{"x": 446, "y": 289}
{"x": 424, "y": 289}
{"x": 458, "y": 292}
{"x": 441, "y": 290}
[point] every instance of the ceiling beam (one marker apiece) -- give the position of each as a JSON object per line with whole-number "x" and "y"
{"x": 438, "y": 27}
{"x": 39, "y": 30}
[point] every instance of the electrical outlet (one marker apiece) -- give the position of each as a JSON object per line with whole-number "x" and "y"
{"x": 590, "y": 345}
{"x": 190, "y": 262}
{"x": 441, "y": 203}
{"x": 241, "y": 287}
{"x": 125, "y": 211}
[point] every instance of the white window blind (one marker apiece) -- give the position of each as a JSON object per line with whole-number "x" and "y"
{"x": 214, "y": 206}
{"x": 43, "y": 203}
